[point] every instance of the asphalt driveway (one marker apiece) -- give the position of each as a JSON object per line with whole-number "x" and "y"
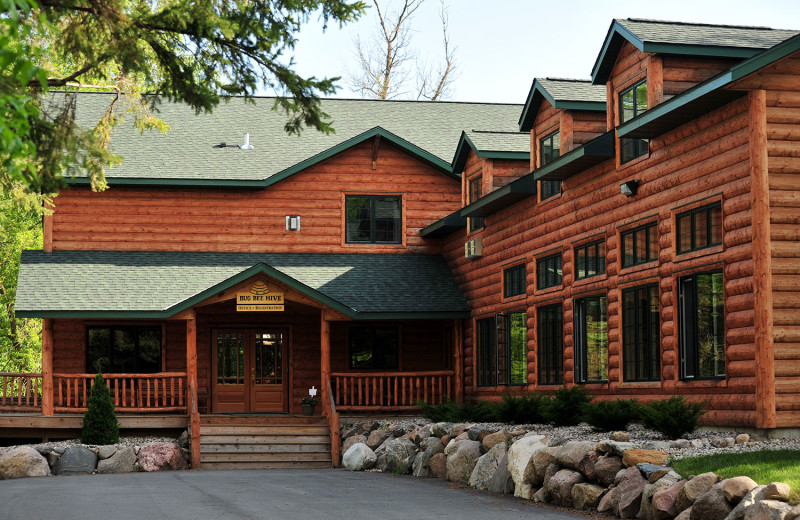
{"x": 275, "y": 494}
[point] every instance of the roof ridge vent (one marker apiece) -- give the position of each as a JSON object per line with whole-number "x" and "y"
{"x": 246, "y": 145}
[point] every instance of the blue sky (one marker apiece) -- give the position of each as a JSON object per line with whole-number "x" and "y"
{"x": 501, "y": 45}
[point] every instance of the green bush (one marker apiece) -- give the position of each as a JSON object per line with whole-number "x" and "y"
{"x": 451, "y": 411}
{"x": 566, "y": 408}
{"x": 610, "y": 416}
{"x": 100, "y": 424}
{"x": 522, "y": 409}
{"x": 672, "y": 417}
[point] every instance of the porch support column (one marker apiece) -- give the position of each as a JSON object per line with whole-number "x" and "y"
{"x": 191, "y": 376}
{"x": 328, "y": 408}
{"x": 47, "y": 366}
{"x": 458, "y": 361}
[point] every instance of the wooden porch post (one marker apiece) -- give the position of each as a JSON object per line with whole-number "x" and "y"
{"x": 458, "y": 361}
{"x": 328, "y": 407}
{"x": 47, "y": 366}
{"x": 191, "y": 376}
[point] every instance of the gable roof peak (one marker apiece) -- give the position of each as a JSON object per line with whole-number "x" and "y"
{"x": 561, "y": 93}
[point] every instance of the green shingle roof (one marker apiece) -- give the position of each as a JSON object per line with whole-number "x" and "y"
{"x": 491, "y": 145}
{"x": 698, "y": 39}
{"x": 569, "y": 94}
{"x": 188, "y": 153}
{"x": 103, "y": 284}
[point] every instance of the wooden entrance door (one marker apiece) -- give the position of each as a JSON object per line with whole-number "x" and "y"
{"x": 249, "y": 367}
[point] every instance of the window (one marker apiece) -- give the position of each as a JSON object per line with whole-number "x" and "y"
{"x": 702, "y": 326}
{"x": 475, "y": 194}
{"x": 502, "y": 349}
{"x": 514, "y": 281}
{"x": 373, "y": 219}
{"x": 486, "y": 348}
{"x": 591, "y": 340}
{"x": 590, "y": 259}
{"x": 640, "y": 334}
{"x": 699, "y": 228}
{"x": 639, "y": 245}
{"x": 632, "y": 102}
{"x": 549, "y": 150}
{"x": 550, "y": 334}
{"x": 548, "y": 271}
{"x": 123, "y": 350}
{"x": 373, "y": 347}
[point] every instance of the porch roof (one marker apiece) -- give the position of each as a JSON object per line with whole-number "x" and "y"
{"x": 139, "y": 284}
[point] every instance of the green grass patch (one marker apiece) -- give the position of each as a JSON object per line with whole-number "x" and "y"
{"x": 762, "y": 466}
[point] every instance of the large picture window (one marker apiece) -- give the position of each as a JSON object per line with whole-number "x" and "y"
{"x": 591, "y": 340}
{"x": 639, "y": 245}
{"x": 640, "y": 333}
{"x": 373, "y": 348}
{"x": 123, "y": 350}
{"x": 632, "y": 102}
{"x": 548, "y": 271}
{"x": 373, "y": 219}
{"x": 699, "y": 228}
{"x": 550, "y": 346}
{"x": 590, "y": 259}
{"x": 702, "y": 325}
{"x": 502, "y": 349}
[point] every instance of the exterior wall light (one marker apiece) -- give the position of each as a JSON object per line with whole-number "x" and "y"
{"x": 629, "y": 188}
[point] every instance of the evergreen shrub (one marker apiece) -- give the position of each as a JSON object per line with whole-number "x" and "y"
{"x": 673, "y": 417}
{"x": 100, "y": 424}
{"x": 567, "y": 406}
{"x": 522, "y": 409}
{"x": 608, "y": 416}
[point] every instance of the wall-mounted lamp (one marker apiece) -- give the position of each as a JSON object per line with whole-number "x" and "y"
{"x": 629, "y": 188}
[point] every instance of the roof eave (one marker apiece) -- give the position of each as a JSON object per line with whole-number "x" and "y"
{"x": 611, "y": 46}
{"x": 594, "y": 152}
{"x": 515, "y": 191}
{"x": 445, "y": 226}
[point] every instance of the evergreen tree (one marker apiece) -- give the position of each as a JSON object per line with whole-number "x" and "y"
{"x": 100, "y": 424}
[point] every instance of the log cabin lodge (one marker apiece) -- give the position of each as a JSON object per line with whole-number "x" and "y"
{"x": 637, "y": 233}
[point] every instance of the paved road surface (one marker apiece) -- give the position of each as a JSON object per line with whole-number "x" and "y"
{"x": 275, "y": 494}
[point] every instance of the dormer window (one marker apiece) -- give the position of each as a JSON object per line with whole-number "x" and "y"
{"x": 632, "y": 102}
{"x": 549, "y": 150}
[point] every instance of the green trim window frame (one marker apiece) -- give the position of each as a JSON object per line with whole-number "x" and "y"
{"x": 549, "y": 150}
{"x": 632, "y": 102}
{"x": 475, "y": 190}
{"x": 548, "y": 271}
{"x": 639, "y": 245}
{"x": 591, "y": 339}
{"x": 550, "y": 344}
{"x": 699, "y": 228}
{"x": 502, "y": 350}
{"x": 373, "y": 219}
{"x": 514, "y": 281}
{"x": 123, "y": 349}
{"x": 641, "y": 340}
{"x": 701, "y": 315}
{"x": 374, "y": 348}
{"x": 590, "y": 259}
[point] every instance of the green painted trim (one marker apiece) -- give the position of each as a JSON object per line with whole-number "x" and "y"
{"x": 596, "y": 106}
{"x": 716, "y": 51}
{"x": 601, "y": 147}
{"x": 94, "y": 314}
{"x": 465, "y": 144}
{"x": 531, "y": 107}
{"x": 453, "y": 220}
{"x": 198, "y": 183}
{"x": 504, "y": 155}
{"x": 765, "y": 58}
{"x": 525, "y": 185}
{"x": 611, "y": 45}
{"x": 413, "y": 315}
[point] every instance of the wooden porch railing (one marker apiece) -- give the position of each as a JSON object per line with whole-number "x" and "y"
{"x": 389, "y": 391}
{"x": 136, "y": 393}
{"x": 20, "y": 392}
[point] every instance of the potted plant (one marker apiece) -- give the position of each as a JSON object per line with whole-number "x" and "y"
{"x": 308, "y": 404}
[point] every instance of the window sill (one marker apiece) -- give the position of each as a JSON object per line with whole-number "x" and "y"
{"x": 702, "y": 383}
{"x": 636, "y": 269}
{"x": 593, "y": 385}
{"x": 549, "y": 290}
{"x": 374, "y": 246}
{"x": 640, "y": 384}
{"x": 691, "y": 255}
{"x": 590, "y": 280}
{"x": 624, "y": 165}
{"x": 514, "y": 299}
{"x": 551, "y": 198}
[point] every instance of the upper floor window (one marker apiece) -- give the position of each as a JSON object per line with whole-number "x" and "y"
{"x": 548, "y": 271}
{"x": 514, "y": 281}
{"x": 123, "y": 350}
{"x": 373, "y": 347}
{"x": 632, "y": 102}
{"x": 701, "y": 314}
{"x": 373, "y": 219}
{"x": 590, "y": 259}
{"x": 699, "y": 228}
{"x": 639, "y": 245}
{"x": 474, "y": 195}
{"x": 549, "y": 150}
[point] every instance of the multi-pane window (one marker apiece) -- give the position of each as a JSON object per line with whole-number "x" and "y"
{"x": 514, "y": 281}
{"x": 373, "y": 348}
{"x": 549, "y": 339}
{"x": 548, "y": 271}
{"x": 474, "y": 195}
{"x": 590, "y": 259}
{"x": 502, "y": 352}
{"x": 640, "y": 333}
{"x": 632, "y": 102}
{"x": 591, "y": 339}
{"x": 486, "y": 349}
{"x": 639, "y": 245}
{"x": 699, "y": 228}
{"x": 373, "y": 219}
{"x": 549, "y": 150}
{"x": 702, "y": 325}
{"x": 123, "y": 350}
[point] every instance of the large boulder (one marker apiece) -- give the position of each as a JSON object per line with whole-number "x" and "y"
{"x": 663, "y": 505}
{"x": 107, "y": 450}
{"x": 558, "y": 489}
{"x": 587, "y": 465}
{"x": 487, "y": 466}
{"x": 22, "y": 462}
{"x": 753, "y": 496}
{"x": 537, "y": 466}
{"x": 491, "y": 440}
{"x": 711, "y": 505}
{"x": 768, "y": 510}
{"x": 398, "y": 453}
{"x": 359, "y": 457}
{"x": 614, "y": 447}
{"x": 162, "y": 456}
{"x": 438, "y": 466}
{"x": 694, "y": 488}
{"x": 353, "y": 439}
{"x": 606, "y": 504}
{"x": 476, "y": 433}
{"x": 376, "y": 438}
{"x": 606, "y": 469}
{"x": 77, "y": 460}
{"x": 647, "y": 509}
{"x": 637, "y": 456}
{"x": 777, "y": 491}
{"x": 572, "y": 453}
{"x": 629, "y": 497}
{"x": 586, "y": 496}
{"x": 440, "y": 429}
{"x": 736, "y": 488}
{"x": 122, "y": 461}
{"x": 519, "y": 454}
{"x": 501, "y": 481}
{"x": 430, "y": 447}
{"x": 462, "y": 460}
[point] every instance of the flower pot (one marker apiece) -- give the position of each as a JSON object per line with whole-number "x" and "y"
{"x": 308, "y": 409}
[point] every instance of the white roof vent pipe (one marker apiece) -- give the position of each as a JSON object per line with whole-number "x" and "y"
{"x": 246, "y": 145}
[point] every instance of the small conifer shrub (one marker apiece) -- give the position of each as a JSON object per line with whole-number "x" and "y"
{"x": 672, "y": 417}
{"x": 100, "y": 424}
{"x": 608, "y": 416}
{"x": 566, "y": 408}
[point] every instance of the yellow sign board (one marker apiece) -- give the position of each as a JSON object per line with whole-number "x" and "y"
{"x": 260, "y": 298}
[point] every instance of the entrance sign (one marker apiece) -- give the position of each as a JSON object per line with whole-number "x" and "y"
{"x": 260, "y": 298}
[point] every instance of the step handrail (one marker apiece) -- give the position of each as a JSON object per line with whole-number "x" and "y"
{"x": 329, "y": 408}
